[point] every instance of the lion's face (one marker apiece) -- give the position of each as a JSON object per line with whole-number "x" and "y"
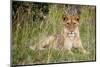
{"x": 70, "y": 23}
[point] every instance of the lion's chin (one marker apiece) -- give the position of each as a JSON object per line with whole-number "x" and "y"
{"x": 71, "y": 36}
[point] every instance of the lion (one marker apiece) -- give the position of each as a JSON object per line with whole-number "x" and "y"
{"x": 66, "y": 41}
{"x": 71, "y": 33}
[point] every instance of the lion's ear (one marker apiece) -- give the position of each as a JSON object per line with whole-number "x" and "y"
{"x": 64, "y": 18}
{"x": 77, "y": 18}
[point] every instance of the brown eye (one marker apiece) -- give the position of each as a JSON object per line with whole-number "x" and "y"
{"x": 67, "y": 23}
{"x": 74, "y": 23}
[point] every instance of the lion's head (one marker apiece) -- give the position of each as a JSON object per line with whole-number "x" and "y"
{"x": 71, "y": 24}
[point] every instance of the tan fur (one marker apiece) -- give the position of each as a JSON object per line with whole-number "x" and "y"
{"x": 71, "y": 33}
{"x": 66, "y": 41}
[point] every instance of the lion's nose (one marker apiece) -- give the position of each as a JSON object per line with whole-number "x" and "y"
{"x": 71, "y": 30}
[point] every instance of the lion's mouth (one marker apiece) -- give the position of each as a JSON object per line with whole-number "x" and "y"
{"x": 71, "y": 34}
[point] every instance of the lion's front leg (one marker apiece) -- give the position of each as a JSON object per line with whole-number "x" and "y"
{"x": 78, "y": 44}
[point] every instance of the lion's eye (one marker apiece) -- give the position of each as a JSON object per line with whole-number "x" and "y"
{"x": 67, "y": 23}
{"x": 74, "y": 23}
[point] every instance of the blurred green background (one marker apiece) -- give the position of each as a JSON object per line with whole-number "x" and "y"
{"x": 31, "y": 20}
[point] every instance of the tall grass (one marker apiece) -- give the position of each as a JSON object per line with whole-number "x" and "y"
{"x": 26, "y": 32}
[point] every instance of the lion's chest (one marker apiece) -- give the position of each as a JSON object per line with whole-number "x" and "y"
{"x": 69, "y": 42}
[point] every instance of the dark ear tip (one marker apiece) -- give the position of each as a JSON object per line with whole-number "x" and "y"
{"x": 77, "y": 18}
{"x": 63, "y": 17}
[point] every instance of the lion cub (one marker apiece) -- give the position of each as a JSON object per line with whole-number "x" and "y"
{"x": 66, "y": 41}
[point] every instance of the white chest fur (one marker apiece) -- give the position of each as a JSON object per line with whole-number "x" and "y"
{"x": 69, "y": 42}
